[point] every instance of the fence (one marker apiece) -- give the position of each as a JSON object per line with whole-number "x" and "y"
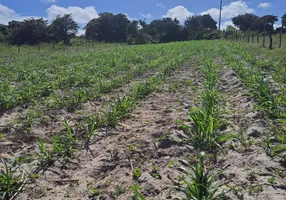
{"x": 256, "y": 38}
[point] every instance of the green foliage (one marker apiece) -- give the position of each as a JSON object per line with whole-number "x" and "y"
{"x": 204, "y": 132}
{"x": 137, "y": 172}
{"x": 201, "y": 27}
{"x": 9, "y": 181}
{"x": 197, "y": 183}
{"x": 30, "y": 31}
{"x": 137, "y": 195}
{"x": 108, "y": 28}
{"x": 63, "y": 28}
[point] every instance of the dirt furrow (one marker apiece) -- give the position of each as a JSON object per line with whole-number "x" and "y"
{"x": 249, "y": 170}
{"x": 137, "y": 144}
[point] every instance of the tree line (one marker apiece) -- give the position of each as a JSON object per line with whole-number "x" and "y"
{"x": 117, "y": 28}
{"x": 109, "y": 27}
{"x": 34, "y": 31}
{"x": 251, "y": 25}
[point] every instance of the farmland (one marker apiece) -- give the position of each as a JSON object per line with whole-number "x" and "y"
{"x": 143, "y": 122}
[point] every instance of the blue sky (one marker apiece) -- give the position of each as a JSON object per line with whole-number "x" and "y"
{"x": 84, "y": 10}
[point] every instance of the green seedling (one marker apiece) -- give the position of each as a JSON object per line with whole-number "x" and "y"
{"x": 198, "y": 183}
{"x": 137, "y": 172}
{"x": 10, "y": 183}
{"x": 137, "y": 195}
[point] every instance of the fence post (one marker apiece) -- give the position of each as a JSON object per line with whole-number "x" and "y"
{"x": 280, "y": 39}
{"x": 264, "y": 35}
{"x": 252, "y": 36}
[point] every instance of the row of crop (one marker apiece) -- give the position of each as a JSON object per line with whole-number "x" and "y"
{"x": 75, "y": 99}
{"x": 88, "y": 79}
{"x": 64, "y": 145}
{"x": 204, "y": 135}
{"x": 269, "y": 100}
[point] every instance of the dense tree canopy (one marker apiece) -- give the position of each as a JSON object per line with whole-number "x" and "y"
{"x": 31, "y": 31}
{"x": 246, "y": 22}
{"x": 63, "y": 28}
{"x": 200, "y": 27}
{"x": 108, "y": 27}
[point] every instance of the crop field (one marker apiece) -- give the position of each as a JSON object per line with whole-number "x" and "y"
{"x": 200, "y": 120}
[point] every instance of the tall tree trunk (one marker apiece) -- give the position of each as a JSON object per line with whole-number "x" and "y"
{"x": 264, "y": 35}
{"x": 280, "y": 39}
{"x": 271, "y": 41}
{"x": 248, "y": 38}
{"x": 243, "y": 37}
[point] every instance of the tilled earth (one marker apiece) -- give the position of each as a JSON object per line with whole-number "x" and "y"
{"x": 143, "y": 142}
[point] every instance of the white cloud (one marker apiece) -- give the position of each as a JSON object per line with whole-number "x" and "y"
{"x": 277, "y": 26}
{"x": 231, "y": 10}
{"x": 80, "y": 32}
{"x": 130, "y": 18}
{"x": 80, "y": 15}
{"x": 264, "y": 5}
{"x": 225, "y": 24}
{"x": 48, "y": 1}
{"x": 7, "y": 15}
{"x": 179, "y": 12}
{"x": 147, "y": 16}
{"x": 161, "y": 5}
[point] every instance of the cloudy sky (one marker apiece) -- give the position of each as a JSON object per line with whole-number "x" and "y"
{"x": 84, "y": 10}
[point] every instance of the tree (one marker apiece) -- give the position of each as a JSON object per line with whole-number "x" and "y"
{"x": 165, "y": 30}
{"x": 108, "y": 28}
{"x": 229, "y": 32}
{"x": 63, "y": 28}
{"x": 269, "y": 21}
{"x": 207, "y": 22}
{"x": 31, "y": 31}
{"x": 201, "y": 27}
{"x": 92, "y": 29}
{"x": 246, "y": 23}
{"x": 283, "y": 24}
{"x": 193, "y": 26}
{"x": 132, "y": 32}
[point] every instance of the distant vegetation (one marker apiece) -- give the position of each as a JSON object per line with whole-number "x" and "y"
{"x": 111, "y": 28}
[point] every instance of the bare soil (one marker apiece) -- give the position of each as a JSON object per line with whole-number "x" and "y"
{"x": 142, "y": 142}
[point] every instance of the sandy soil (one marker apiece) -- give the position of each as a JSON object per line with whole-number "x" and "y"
{"x": 143, "y": 142}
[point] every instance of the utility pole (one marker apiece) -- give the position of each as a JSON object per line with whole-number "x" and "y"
{"x": 220, "y": 15}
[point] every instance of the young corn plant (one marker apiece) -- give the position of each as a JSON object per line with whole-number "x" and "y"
{"x": 198, "y": 183}
{"x": 10, "y": 183}
{"x": 46, "y": 158}
{"x": 66, "y": 145}
{"x": 204, "y": 133}
{"x": 89, "y": 129}
{"x": 136, "y": 191}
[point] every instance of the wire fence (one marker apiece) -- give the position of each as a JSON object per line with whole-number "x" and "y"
{"x": 260, "y": 40}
